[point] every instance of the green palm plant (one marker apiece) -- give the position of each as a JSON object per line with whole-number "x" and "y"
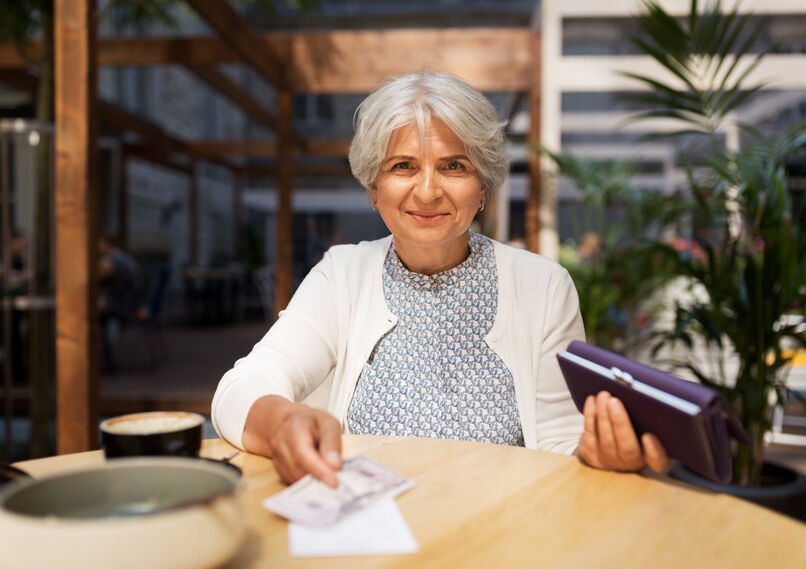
{"x": 606, "y": 258}
{"x": 750, "y": 241}
{"x": 707, "y": 56}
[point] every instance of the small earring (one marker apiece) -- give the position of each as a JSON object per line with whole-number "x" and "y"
{"x": 374, "y": 206}
{"x": 481, "y": 209}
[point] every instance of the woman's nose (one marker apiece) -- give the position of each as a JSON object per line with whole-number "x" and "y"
{"x": 428, "y": 187}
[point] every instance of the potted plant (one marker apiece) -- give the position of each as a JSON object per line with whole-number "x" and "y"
{"x": 609, "y": 227}
{"x": 744, "y": 259}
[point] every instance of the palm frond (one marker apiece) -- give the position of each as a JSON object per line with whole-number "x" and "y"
{"x": 671, "y": 63}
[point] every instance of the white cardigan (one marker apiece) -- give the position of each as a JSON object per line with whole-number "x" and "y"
{"x": 339, "y": 313}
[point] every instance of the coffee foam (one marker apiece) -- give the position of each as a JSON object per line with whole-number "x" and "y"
{"x": 150, "y": 423}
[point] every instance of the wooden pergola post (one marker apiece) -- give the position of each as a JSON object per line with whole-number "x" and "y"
{"x": 284, "y": 269}
{"x": 77, "y": 337}
{"x": 533, "y": 198}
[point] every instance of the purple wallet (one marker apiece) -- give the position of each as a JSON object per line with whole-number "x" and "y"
{"x": 693, "y": 422}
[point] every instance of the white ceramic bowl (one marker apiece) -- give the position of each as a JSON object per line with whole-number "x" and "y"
{"x": 139, "y": 513}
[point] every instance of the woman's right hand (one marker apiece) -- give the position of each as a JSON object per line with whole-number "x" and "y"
{"x": 300, "y": 439}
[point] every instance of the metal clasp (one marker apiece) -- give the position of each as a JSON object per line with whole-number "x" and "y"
{"x": 622, "y": 376}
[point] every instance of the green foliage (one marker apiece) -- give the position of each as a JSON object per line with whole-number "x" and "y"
{"x": 610, "y": 265}
{"x": 749, "y": 246}
{"x": 22, "y": 20}
{"x": 702, "y": 56}
{"x": 139, "y": 12}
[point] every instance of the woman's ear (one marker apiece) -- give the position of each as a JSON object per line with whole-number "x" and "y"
{"x": 373, "y": 196}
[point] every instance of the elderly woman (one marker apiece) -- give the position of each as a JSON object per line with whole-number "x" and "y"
{"x": 434, "y": 331}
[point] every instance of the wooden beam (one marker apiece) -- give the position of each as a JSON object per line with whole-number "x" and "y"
{"x": 338, "y": 148}
{"x": 228, "y": 148}
{"x": 11, "y": 58}
{"x": 241, "y": 97}
{"x": 284, "y": 261}
{"x": 77, "y": 337}
{"x": 156, "y": 156}
{"x": 490, "y": 59}
{"x": 235, "y": 93}
{"x": 323, "y": 148}
{"x": 344, "y": 61}
{"x": 123, "y": 120}
{"x": 160, "y": 143}
{"x": 270, "y": 61}
{"x": 144, "y": 51}
{"x": 535, "y": 196}
{"x": 239, "y": 36}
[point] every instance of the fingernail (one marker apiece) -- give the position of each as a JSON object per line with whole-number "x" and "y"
{"x": 333, "y": 458}
{"x": 332, "y": 480}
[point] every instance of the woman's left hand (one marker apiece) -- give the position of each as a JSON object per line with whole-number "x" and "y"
{"x": 609, "y": 441}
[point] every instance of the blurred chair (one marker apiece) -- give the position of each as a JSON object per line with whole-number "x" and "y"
{"x": 144, "y": 323}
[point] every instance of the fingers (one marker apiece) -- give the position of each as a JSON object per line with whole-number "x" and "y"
{"x": 284, "y": 462}
{"x": 299, "y": 450}
{"x": 299, "y": 439}
{"x": 604, "y": 427}
{"x": 308, "y": 452}
{"x": 656, "y": 456}
{"x": 609, "y": 440}
{"x": 588, "y": 442}
{"x": 629, "y": 453}
{"x": 330, "y": 441}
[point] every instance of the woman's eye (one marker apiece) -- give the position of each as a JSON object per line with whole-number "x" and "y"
{"x": 401, "y": 166}
{"x": 455, "y": 165}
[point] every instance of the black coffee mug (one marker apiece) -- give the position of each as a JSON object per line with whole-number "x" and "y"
{"x": 156, "y": 433}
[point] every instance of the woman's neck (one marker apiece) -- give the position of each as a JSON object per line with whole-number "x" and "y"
{"x": 430, "y": 260}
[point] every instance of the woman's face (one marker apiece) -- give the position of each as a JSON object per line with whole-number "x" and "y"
{"x": 427, "y": 195}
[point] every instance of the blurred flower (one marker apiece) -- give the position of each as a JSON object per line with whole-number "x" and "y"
{"x": 590, "y": 245}
{"x": 697, "y": 252}
{"x": 756, "y": 245}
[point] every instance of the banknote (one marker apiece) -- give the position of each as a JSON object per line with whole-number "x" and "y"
{"x": 361, "y": 482}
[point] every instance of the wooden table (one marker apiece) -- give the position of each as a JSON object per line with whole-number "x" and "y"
{"x": 482, "y": 505}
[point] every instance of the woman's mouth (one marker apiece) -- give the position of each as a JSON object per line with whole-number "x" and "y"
{"x": 427, "y": 217}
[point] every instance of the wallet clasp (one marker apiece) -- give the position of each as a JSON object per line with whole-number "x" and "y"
{"x": 622, "y": 376}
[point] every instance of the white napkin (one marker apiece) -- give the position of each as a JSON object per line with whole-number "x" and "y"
{"x": 378, "y": 530}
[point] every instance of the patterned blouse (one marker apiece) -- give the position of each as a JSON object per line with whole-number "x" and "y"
{"x": 433, "y": 375}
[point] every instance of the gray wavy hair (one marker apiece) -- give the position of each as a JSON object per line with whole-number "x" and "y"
{"x": 418, "y": 96}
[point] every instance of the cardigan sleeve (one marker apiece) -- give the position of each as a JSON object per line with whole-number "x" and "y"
{"x": 559, "y": 423}
{"x": 292, "y": 359}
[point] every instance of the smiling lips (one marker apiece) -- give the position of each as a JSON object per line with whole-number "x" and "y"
{"x": 427, "y": 217}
